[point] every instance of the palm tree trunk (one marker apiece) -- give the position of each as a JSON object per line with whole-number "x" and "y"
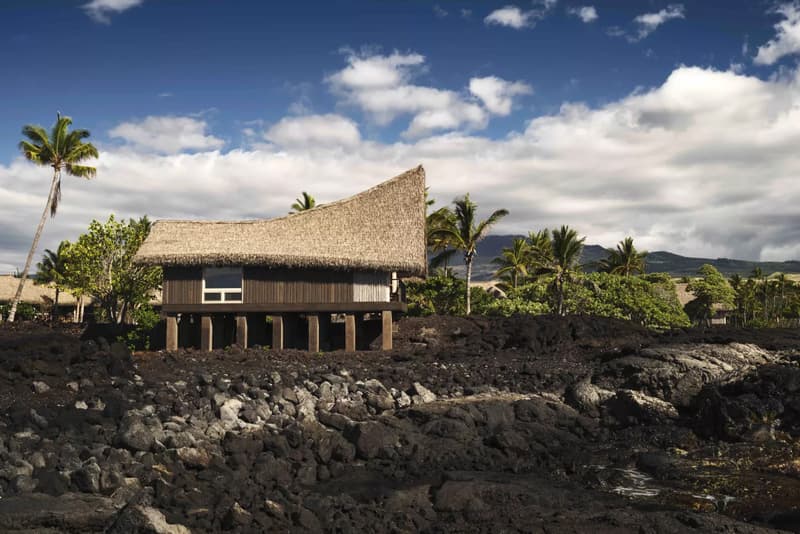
{"x": 469, "y": 282}
{"x": 54, "y": 315}
{"x": 18, "y": 295}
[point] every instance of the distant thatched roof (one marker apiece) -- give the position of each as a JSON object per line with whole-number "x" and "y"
{"x": 32, "y": 293}
{"x": 382, "y": 228}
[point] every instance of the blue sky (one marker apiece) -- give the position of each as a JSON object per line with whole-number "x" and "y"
{"x": 613, "y": 116}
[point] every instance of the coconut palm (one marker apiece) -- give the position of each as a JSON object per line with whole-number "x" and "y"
{"x": 438, "y": 242}
{"x": 52, "y": 270}
{"x": 306, "y": 203}
{"x": 566, "y": 252}
{"x": 540, "y": 252}
{"x": 625, "y": 260}
{"x": 464, "y": 233}
{"x": 64, "y": 151}
{"x": 512, "y": 263}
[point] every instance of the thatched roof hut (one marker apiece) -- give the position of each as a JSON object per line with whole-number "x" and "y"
{"x": 382, "y": 228}
{"x": 33, "y": 293}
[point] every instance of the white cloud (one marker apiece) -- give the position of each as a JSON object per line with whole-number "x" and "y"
{"x": 439, "y": 11}
{"x": 314, "y": 131}
{"x": 704, "y": 164}
{"x": 586, "y": 13}
{"x": 384, "y": 88}
{"x": 510, "y": 16}
{"x": 167, "y": 134}
{"x": 648, "y": 22}
{"x": 787, "y": 38}
{"x": 101, "y": 10}
{"x": 497, "y": 94}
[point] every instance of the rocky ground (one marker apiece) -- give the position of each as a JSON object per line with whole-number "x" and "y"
{"x": 470, "y": 425}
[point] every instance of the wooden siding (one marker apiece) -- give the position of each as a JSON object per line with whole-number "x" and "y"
{"x": 289, "y": 286}
{"x": 371, "y": 286}
{"x": 183, "y": 285}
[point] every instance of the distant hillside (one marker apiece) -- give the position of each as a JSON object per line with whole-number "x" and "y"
{"x": 657, "y": 262}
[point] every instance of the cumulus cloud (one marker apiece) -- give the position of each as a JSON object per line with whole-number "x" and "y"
{"x": 647, "y": 23}
{"x": 383, "y": 87}
{"x": 586, "y": 13}
{"x": 513, "y": 17}
{"x": 314, "y": 131}
{"x": 497, "y": 94}
{"x": 101, "y": 10}
{"x": 167, "y": 134}
{"x": 787, "y": 36}
{"x": 510, "y": 16}
{"x": 704, "y": 164}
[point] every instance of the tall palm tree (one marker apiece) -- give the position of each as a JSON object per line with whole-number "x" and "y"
{"x": 758, "y": 275}
{"x": 567, "y": 249}
{"x": 305, "y": 204}
{"x": 625, "y": 260}
{"x": 52, "y": 270}
{"x": 464, "y": 233}
{"x": 438, "y": 242}
{"x": 63, "y": 150}
{"x": 512, "y": 263}
{"x": 540, "y": 252}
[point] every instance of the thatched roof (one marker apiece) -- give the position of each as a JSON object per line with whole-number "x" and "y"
{"x": 382, "y": 228}
{"x": 32, "y": 293}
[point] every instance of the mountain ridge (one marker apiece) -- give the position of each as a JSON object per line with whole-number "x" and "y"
{"x": 659, "y": 261}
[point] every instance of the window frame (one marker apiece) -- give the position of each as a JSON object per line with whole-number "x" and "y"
{"x": 222, "y": 291}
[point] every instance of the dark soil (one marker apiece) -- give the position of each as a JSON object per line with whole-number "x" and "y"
{"x": 540, "y": 424}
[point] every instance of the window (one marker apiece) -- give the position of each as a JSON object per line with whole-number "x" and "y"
{"x": 222, "y": 284}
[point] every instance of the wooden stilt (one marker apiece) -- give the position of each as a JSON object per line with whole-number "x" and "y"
{"x": 386, "y": 333}
{"x": 313, "y": 332}
{"x": 350, "y": 332}
{"x": 206, "y": 333}
{"x": 241, "y": 331}
{"x": 277, "y": 332}
{"x": 172, "y": 332}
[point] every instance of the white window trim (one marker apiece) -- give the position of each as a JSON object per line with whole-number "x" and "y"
{"x": 223, "y": 290}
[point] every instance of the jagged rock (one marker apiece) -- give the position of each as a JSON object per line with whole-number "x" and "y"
{"x": 87, "y": 478}
{"x": 135, "y": 435}
{"x": 421, "y": 394}
{"x": 370, "y": 438}
{"x": 236, "y": 517}
{"x": 378, "y": 396}
{"x": 229, "y": 412}
{"x": 71, "y": 512}
{"x": 194, "y": 457}
{"x": 144, "y": 520}
{"x": 629, "y": 406}
{"x": 40, "y": 387}
{"x": 586, "y": 397}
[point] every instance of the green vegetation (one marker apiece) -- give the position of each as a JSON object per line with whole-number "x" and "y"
{"x": 306, "y": 203}
{"x": 53, "y": 270}
{"x": 64, "y": 151}
{"x": 710, "y": 290}
{"x": 625, "y": 260}
{"x": 462, "y": 232}
{"x": 100, "y": 264}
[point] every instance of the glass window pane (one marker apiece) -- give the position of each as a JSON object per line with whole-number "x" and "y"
{"x": 223, "y": 278}
{"x": 212, "y": 297}
{"x": 231, "y": 297}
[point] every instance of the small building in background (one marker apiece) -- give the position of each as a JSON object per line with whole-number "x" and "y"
{"x": 324, "y": 278}
{"x": 41, "y": 297}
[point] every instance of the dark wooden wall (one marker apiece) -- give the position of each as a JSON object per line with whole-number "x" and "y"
{"x": 289, "y": 286}
{"x": 183, "y": 285}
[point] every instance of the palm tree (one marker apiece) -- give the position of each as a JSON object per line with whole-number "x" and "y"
{"x": 512, "y": 263}
{"x": 566, "y": 252}
{"x": 306, "y": 203}
{"x": 63, "y": 151}
{"x": 625, "y": 260}
{"x": 464, "y": 233}
{"x": 52, "y": 270}
{"x": 438, "y": 242}
{"x": 540, "y": 252}
{"x": 760, "y": 277}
